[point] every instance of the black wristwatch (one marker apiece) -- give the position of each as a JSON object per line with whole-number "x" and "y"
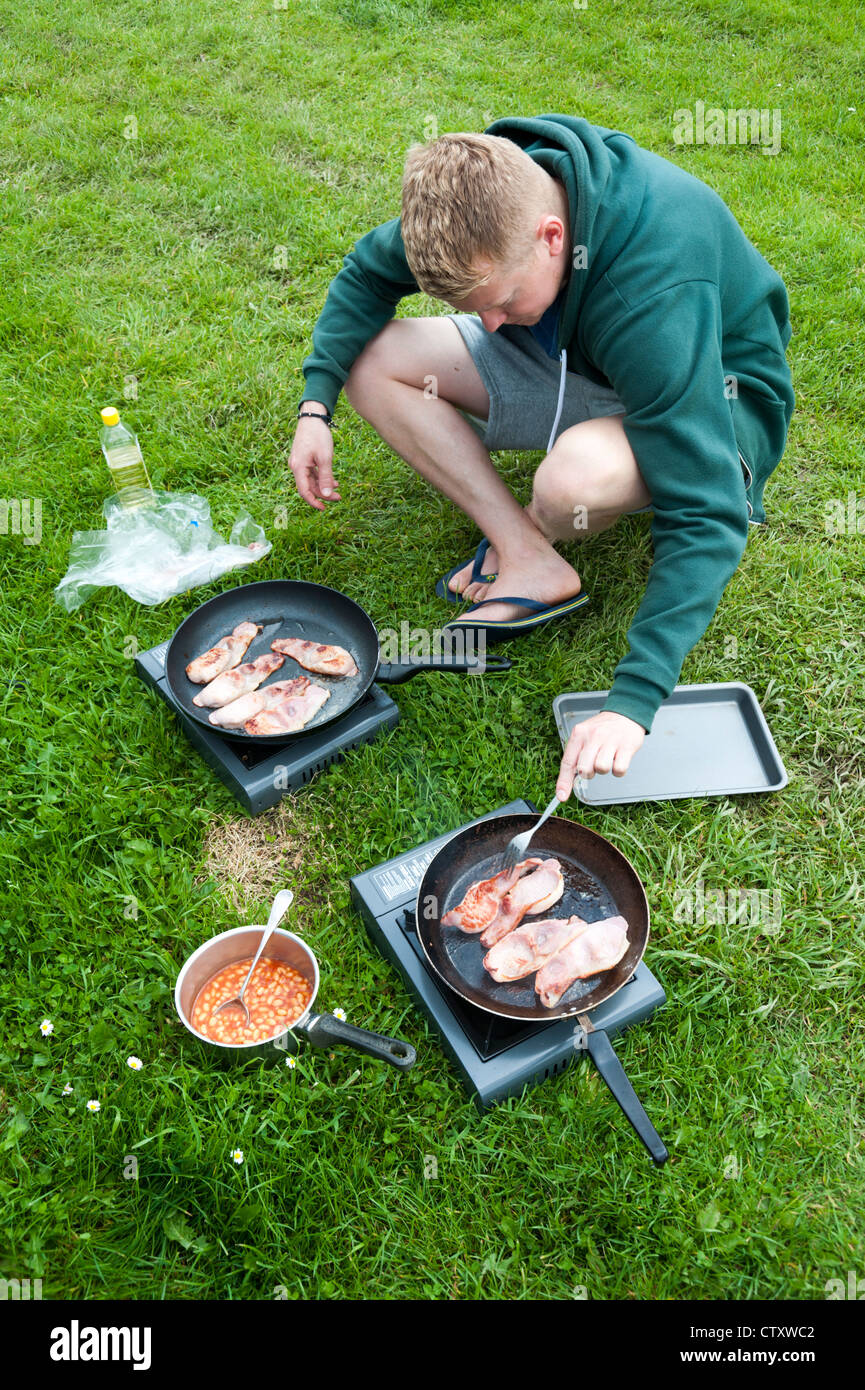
{"x": 314, "y": 415}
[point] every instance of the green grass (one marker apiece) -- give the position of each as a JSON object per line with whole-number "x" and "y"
{"x": 154, "y": 256}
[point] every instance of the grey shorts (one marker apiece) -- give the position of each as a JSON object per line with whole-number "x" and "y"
{"x": 522, "y": 382}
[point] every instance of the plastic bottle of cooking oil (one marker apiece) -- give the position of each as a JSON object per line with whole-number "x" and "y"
{"x": 125, "y": 462}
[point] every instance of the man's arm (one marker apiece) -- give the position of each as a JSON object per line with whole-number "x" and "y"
{"x": 361, "y": 299}
{"x": 679, "y": 425}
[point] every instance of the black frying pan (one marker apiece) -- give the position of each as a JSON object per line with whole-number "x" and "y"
{"x": 599, "y": 882}
{"x": 294, "y": 608}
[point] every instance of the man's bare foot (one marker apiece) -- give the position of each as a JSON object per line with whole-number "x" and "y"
{"x": 546, "y": 577}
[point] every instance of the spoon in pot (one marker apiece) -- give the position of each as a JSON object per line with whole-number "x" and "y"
{"x": 281, "y": 903}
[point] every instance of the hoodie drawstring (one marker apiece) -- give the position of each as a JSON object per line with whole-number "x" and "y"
{"x": 561, "y": 401}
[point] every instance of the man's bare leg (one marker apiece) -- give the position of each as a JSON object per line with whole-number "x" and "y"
{"x": 585, "y": 483}
{"x": 410, "y": 383}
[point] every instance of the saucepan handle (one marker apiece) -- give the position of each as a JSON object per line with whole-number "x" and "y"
{"x": 326, "y": 1030}
{"x": 394, "y": 673}
{"x": 611, "y": 1069}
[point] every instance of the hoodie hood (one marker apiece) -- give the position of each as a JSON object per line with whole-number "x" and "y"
{"x": 586, "y": 158}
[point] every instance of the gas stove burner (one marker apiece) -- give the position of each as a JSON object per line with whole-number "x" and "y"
{"x": 488, "y": 1034}
{"x": 259, "y": 776}
{"x": 496, "y": 1057}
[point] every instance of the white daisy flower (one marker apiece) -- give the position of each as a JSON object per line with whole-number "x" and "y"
{"x": 135, "y": 1063}
{"x": 237, "y": 1155}
{"x": 93, "y": 1106}
{"x": 340, "y": 1014}
{"x": 291, "y": 1062}
{"x": 46, "y": 1027}
{"x": 67, "y": 1089}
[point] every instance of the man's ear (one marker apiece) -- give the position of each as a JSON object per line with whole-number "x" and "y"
{"x": 551, "y": 231}
{"x": 554, "y": 234}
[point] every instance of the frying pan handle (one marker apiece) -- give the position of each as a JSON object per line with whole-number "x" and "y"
{"x": 326, "y": 1030}
{"x": 393, "y": 673}
{"x": 613, "y": 1072}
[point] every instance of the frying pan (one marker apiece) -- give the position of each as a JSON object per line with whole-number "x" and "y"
{"x": 599, "y": 882}
{"x": 294, "y": 608}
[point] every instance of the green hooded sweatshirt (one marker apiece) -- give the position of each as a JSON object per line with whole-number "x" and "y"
{"x": 670, "y": 304}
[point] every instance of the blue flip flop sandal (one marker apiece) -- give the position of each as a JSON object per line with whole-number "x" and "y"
{"x": 478, "y": 577}
{"x": 539, "y": 613}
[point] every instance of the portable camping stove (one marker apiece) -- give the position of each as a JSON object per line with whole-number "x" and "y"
{"x": 496, "y": 1056}
{"x": 260, "y": 777}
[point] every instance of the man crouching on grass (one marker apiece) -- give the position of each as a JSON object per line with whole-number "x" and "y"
{"x": 611, "y": 311}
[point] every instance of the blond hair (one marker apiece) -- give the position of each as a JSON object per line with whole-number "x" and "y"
{"x": 468, "y": 198}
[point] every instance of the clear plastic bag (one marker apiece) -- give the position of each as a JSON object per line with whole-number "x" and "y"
{"x": 157, "y": 552}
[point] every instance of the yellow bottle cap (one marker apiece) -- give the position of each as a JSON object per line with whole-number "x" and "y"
{"x": 110, "y": 415}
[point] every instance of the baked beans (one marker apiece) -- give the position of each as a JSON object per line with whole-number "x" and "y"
{"x": 276, "y": 997}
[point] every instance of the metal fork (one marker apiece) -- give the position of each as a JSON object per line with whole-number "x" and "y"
{"x": 516, "y": 849}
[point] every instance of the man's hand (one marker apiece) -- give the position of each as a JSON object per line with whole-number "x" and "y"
{"x": 311, "y": 461}
{"x": 605, "y": 743}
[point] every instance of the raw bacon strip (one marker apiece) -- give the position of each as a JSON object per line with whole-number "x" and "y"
{"x": 236, "y": 714}
{"x": 291, "y": 714}
{"x": 240, "y": 681}
{"x": 593, "y": 951}
{"x": 227, "y": 653}
{"x": 325, "y": 661}
{"x": 483, "y": 899}
{"x": 534, "y": 893}
{"x": 528, "y": 948}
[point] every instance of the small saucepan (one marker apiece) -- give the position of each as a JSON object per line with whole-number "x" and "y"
{"x": 322, "y": 1030}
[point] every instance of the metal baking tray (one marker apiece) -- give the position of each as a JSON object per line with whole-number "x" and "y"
{"x": 706, "y": 740}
